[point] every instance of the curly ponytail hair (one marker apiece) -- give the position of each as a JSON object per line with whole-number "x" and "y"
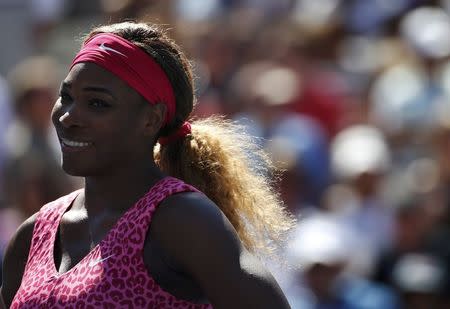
{"x": 214, "y": 158}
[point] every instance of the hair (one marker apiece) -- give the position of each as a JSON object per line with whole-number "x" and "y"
{"x": 215, "y": 157}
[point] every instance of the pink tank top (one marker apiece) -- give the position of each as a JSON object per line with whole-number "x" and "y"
{"x": 111, "y": 275}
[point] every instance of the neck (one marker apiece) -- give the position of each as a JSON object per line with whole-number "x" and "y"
{"x": 118, "y": 192}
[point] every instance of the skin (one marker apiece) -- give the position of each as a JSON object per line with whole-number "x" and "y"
{"x": 2, "y": 304}
{"x": 194, "y": 250}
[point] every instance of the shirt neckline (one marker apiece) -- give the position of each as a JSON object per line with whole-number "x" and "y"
{"x": 54, "y": 271}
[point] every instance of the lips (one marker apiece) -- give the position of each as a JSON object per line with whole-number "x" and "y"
{"x": 74, "y": 145}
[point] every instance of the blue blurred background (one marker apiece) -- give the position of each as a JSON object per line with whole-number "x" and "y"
{"x": 351, "y": 98}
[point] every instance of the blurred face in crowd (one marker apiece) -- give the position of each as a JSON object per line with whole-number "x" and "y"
{"x": 98, "y": 120}
{"x": 35, "y": 107}
{"x": 321, "y": 278}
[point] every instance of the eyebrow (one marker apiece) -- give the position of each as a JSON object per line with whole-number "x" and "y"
{"x": 65, "y": 85}
{"x": 68, "y": 85}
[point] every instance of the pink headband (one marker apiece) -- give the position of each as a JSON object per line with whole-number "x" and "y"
{"x": 132, "y": 65}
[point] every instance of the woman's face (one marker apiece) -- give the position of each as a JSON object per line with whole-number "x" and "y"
{"x": 100, "y": 122}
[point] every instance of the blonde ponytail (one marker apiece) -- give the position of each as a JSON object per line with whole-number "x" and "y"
{"x": 215, "y": 159}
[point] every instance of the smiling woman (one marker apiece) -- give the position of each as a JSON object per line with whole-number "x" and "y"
{"x": 171, "y": 215}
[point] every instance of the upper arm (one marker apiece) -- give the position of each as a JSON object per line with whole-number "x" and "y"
{"x": 201, "y": 241}
{"x": 15, "y": 259}
{"x": 2, "y": 303}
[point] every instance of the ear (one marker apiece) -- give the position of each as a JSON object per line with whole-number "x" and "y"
{"x": 154, "y": 120}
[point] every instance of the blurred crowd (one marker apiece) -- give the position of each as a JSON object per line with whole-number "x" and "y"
{"x": 351, "y": 98}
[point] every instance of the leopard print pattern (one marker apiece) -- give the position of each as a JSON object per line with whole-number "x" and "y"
{"x": 112, "y": 275}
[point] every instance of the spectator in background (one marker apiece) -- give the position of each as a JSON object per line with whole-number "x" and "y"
{"x": 413, "y": 224}
{"x": 31, "y": 174}
{"x": 320, "y": 253}
{"x": 298, "y": 144}
{"x": 26, "y": 26}
{"x": 420, "y": 280}
{"x": 9, "y": 217}
{"x": 360, "y": 159}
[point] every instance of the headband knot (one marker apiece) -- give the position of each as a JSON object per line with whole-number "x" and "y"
{"x": 182, "y": 131}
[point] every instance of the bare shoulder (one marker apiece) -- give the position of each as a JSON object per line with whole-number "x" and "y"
{"x": 189, "y": 208}
{"x": 195, "y": 234}
{"x": 190, "y": 216}
{"x": 15, "y": 259}
{"x": 20, "y": 243}
{"x": 188, "y": 202}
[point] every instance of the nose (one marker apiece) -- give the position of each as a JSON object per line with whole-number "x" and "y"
{"x": 70, "y": 118}
{"x": 65, "y": 119}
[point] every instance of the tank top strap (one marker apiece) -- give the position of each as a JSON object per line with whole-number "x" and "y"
{"x": 133, "y": 225}
{"x": 44, "y": 234}
{"x": 161, "y": 190}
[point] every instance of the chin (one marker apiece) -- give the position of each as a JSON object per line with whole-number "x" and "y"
{"x": 78, "y": 171}
{"x": 73, "y": 172}
{"x": 84, "y": 170}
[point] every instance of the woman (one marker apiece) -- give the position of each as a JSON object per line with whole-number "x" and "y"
{"x": 135, "y": 237}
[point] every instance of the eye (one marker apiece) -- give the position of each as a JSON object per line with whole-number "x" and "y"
{"x": 65, "y": 97}
{"x": 97, "y": 103}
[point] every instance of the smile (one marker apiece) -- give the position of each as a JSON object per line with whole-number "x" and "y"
{"x": 67, "y": 142}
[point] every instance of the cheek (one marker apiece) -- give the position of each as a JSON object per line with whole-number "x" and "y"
{"x": 128, "y": 141}
{"x": 113, "y": 134}
{"x": 127, "y": 126}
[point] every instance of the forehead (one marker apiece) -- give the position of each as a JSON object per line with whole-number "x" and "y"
{"x": 88, "y": 74}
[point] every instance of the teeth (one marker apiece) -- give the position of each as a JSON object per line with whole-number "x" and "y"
{"x": 74, "y": 143}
